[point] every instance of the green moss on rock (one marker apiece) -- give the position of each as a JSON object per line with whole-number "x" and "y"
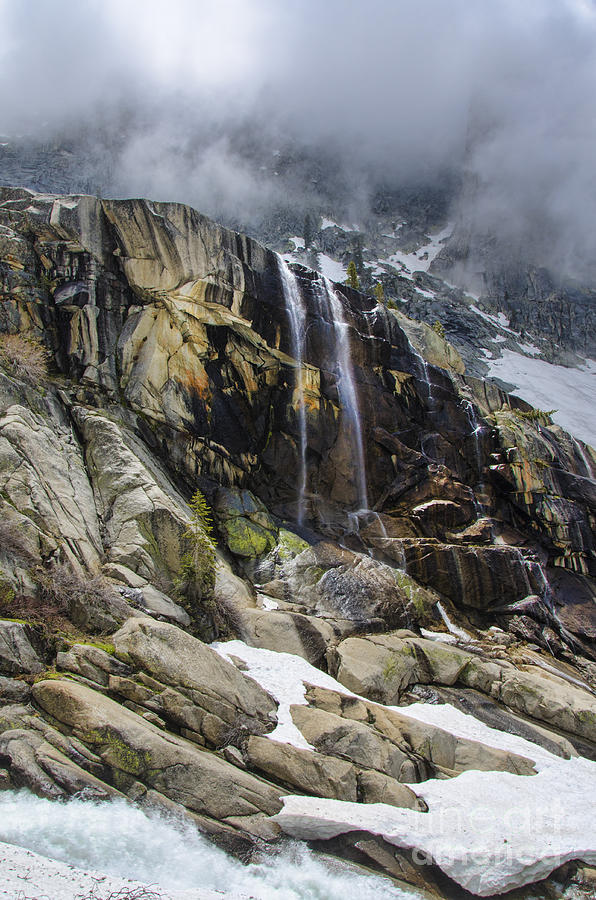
{"x": 117, "y": 753}
{"x": 289, "y": 545}
{"x": 246, "y": 538}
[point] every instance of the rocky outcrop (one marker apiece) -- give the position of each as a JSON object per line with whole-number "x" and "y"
{"x": 173, "y": 368}
{"x": 142, "y": 525}
{"x": 17, "y": 654}
{"x": 383, "y": 667}
{"x": 190, "y": 683}
{"x": 42, "y": 475}
{"x": 134, "y": 749}
{"x": 428, "y": 749}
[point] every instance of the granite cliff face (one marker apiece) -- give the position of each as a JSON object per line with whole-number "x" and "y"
{"x": 362, "y": 486}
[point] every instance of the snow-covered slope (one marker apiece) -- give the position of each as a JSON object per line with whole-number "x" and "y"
{"x": 569, "y": 391}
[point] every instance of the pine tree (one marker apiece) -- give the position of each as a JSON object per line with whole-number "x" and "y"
{"x": 352, "y": 278}
{"x": 358, "y": 260}
{"x": 379, "y": 292}
{"x": 197, "y": 576}
{"x": 308, "y": 231}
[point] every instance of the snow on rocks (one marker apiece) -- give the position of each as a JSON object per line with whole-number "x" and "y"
{"x": 331, "y": 268}
{"x": 420, "y": 260}
{"x": 489, "y": 832}
{"x": 464, "y": 725}
{"x": 284, "y": 676}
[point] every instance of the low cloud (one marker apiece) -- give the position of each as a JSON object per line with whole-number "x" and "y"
{"x": 242, "y": 106}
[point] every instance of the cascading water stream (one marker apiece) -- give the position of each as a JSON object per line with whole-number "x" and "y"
{"x": 476, "y": 431}
{"x": 331, "y": 305}
{"x": 452, "y": 628}
{"x": 423, "y": 373}
{"x": 534, "y": 571}
{"x": 584, "y": 458}
{"x": 164, "y": 853}
{"x": 297, "y": 318}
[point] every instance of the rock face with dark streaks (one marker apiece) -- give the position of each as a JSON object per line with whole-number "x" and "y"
{"x": 377, "y": 511}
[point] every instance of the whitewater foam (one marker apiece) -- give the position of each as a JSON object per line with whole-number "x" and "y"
{"x": 119, "y": 840}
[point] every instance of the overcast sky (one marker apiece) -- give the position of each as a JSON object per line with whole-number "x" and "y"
{"x": 395, "y": 90}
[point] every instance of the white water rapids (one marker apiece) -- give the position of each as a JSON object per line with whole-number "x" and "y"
{"x": 123, "y": 842}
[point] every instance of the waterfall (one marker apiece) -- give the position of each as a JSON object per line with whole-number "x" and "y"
{"x": 584, "y": 458}
{"x": 423, "y": 373}
{"x": 297, "y": 318}
{"x": 534, "y": 567}
{"x": 332, "y": 305}
{"x": 452, "y": 628}
{"x": 476, "y": 430}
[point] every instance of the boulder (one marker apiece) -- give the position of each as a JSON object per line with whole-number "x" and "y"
{"x": 37, "y": 765}
{"x": 244, "y": 523}
{"x": 333, "y": 735}
{"x": 332, "y": 581}
{"x": 374, "y": 787}
{"x": 91, "y": 662}
{"x": 306, "y": 636}
{"x": 175, "y": 658}
{"x": 17, "y": 655}
{"x": 308, "y": 772}
{"x": 13, "y": 691}
{"x": 135, "y": 750}
{"x": 378, "y": 667}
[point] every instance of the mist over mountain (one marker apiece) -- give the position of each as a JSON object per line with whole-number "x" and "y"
{"x": 243, "y": 109}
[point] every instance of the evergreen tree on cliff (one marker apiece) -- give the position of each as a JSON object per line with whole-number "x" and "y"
{"x": 308, "y": 231}
{"x": 352, "y": 278}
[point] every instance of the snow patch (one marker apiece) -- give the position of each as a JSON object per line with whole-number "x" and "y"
{"x": 465, "y": 725}
{"x": 498, "y": 321}
{"x": 547, "y": 386}
{"x": 530, "y": 349}
{"x": 283, "y": 675}
{"x": 488, "y": 831}
{"x": 330, "y": 268}
{"x": 268, "y": 602}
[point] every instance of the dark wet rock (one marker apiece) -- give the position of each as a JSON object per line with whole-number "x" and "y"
{"x": 480, "y": 577}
